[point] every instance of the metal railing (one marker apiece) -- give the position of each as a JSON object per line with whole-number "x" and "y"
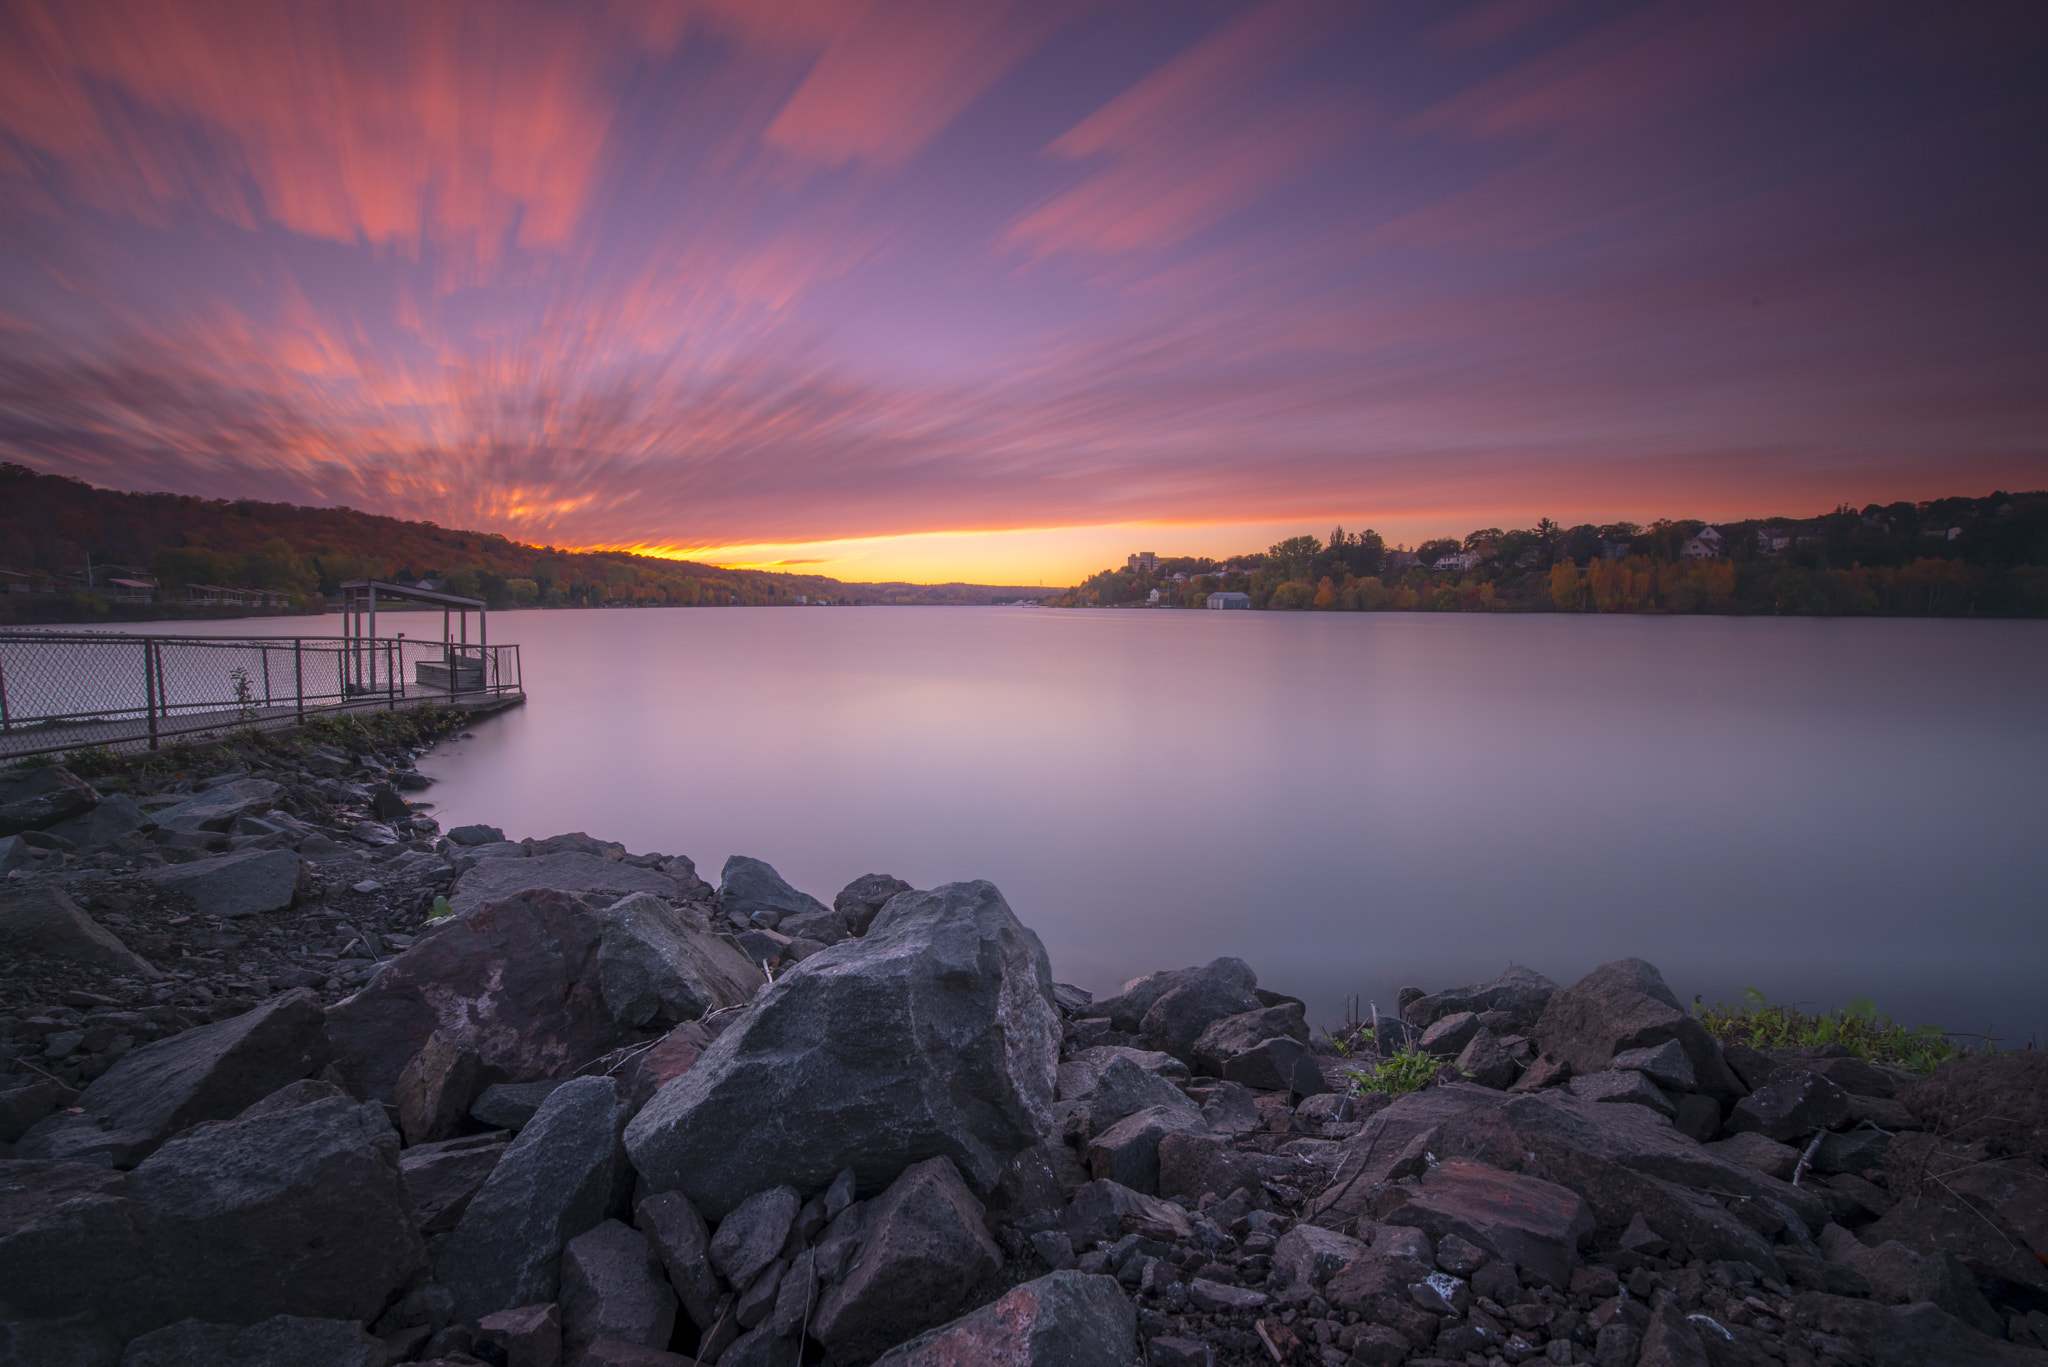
{"x": 67, "y": 690}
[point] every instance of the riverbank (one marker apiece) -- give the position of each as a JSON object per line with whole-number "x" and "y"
{"x": 445, "y": 1096}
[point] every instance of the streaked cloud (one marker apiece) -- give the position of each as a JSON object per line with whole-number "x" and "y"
{"x": 842, "y": 284}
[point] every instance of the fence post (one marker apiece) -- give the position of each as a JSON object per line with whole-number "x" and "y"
{"x": 6, "y": 721}
{"x": 299, "y": 674}
{"x": 149, "y": 698}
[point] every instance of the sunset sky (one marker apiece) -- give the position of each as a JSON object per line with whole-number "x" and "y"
{"x": 1002, "y": 292}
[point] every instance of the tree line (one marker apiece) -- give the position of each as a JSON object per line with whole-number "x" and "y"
{"x": 1965, "y": 556}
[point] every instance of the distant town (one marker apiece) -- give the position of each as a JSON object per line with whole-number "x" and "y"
{"x": 1948, "y": 557}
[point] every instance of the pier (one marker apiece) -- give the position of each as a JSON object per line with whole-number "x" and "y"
{"x": 68, "y": 690}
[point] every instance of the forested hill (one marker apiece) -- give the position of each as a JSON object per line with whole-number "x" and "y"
{"x": 1958, "y": 557}
{"x": 50, "y": 525}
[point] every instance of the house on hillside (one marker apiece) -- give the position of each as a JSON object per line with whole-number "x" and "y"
{"x": 1771, "y": 540}
{"x": 1705, "y": 546}
{"x": 1227, "y": 601}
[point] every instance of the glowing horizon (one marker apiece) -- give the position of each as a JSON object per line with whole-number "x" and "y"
{"x": 992, "y": 292}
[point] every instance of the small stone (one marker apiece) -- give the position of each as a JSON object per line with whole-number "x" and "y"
{"x": 530, "y": 1336}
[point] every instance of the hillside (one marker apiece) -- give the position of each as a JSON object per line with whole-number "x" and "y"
{"x": 1951, "y": 557}
{"x": 50, "y": 526}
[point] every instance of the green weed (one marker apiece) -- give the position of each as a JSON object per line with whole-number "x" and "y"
{"x": 1859, "y": 1027}
{"x": 1396, "y": 1075}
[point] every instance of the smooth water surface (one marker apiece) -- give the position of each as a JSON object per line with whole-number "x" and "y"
{"x": 1817, "y": 808}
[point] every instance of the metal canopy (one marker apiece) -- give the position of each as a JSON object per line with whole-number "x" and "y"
{"x": 441, "y": 600}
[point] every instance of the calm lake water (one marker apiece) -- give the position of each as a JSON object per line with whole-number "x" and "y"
{"x": 1817, "y": 808}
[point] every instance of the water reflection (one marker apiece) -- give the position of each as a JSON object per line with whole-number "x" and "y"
{"x": 1817, "y": 808}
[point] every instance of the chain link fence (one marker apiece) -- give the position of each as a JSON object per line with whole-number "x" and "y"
{"x": 64, "y": 691}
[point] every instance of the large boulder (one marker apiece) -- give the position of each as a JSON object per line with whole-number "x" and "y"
{"x": 280, "y": 1341}
{"x": 934, "y": 1034}
{"x": 1107, "y": 1090}
{"x": 683, "y": 1243}
{"x": 1223, "y": 1040}
{"x": 217, "y": 808}
{"x": 1202, "y": 996}
{"x": 514, "y": 981}
{"x": 661, "y": 963}
{"x": 1128, "y": 1151}
{"x": 289, "y": 1209}
{"x": 1626, "y": 1005}
{"x": 50, "y": 795}
{"x": 571, "y": 871}
{"x": 747, "y": 886}
{"x": 1790, "y": 1106}
{"x": 1126, "y": 1010}
{"x": 41, "y": 918}
{"x": 1067, "y": 1319}
{"x": 1537, "y": 1225}
{"x": 923, "y": 1249}
{"x": 211, "y": 1072}
{"x": 1918, "y": 1335}
{"x": 1522, "y": 993}
{"x": 245, "y": 883}
{"x": 559, "y": 1178}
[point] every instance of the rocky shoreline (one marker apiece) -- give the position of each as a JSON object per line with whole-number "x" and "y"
{"x": 288, "y": 1076}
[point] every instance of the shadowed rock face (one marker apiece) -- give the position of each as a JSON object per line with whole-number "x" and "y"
{"x": 934, "y": 1034}
{"x": 514, "y": 981}
{"x": 1626, "y": 1005}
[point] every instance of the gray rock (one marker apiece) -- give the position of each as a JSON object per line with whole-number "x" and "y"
{"x": 1128, "y": 1151}
{"x": 51, "y": 795}
{"x": 1230, "y": 1109}
{"x": 495, "y": 880}
{"x": 559, "y": 1178}
{"x": 613, "y": 1288}
{"x": 115, "y": 816}
{"x": 1278, "y": 1065}
{"x": 1760, "y": 1152}
{"x": 753, "y": 1233}
{"x": 661, "y": 963}
{"x": 934, "y": 1033}
{"x": 683, "y": 1243}
{"x": 293, "y": 1211}
{"x": 1626, "y": 1005}
{"x": 1306, "y": 1256}
{"x": 212, "y": 1072}
{"x": 280, "y": 1341}
{"x": 1918, "y": 1335}
{"x": 923, "y": 1250}
{"x": 758, "y": 1300}
{"x": 435, "y": 1090}
{"x": 747, "y": 886}
{"x": 217, "y": 808}
{"x": 1449, "y": 1035}
{"x": 42, "y": 919}
{"x": 1066, "y": 1319}
{"x": 441, "y": 1178}
{"x": 1665, "y": 1064}
{"x": 863, "y": 899}
{"x": 511, "y": 1105}
{"x": 1623, "y": 1085}
{"x": 1520, "y": 992}
{"x": 1117, "y": 1089}
{"x": 476, "y": 835}
{"x": 576, "y": 842}
{"x": 1790, "y": 1106}
{"x": 1486, "y": 1063}
{"x": 1223, "y": 1298}
{"x": 1201, "y": 997}
{"x": 1108, "y": 1210}
{"x": 245, "y": 883}
{"x": 515, "y": 981}
{"x": 1854, "y": 1151}
{"x": 1539, "y": 1226}
{"x": 23, "y": 1106}
{"x": 1225, "y": 1039}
